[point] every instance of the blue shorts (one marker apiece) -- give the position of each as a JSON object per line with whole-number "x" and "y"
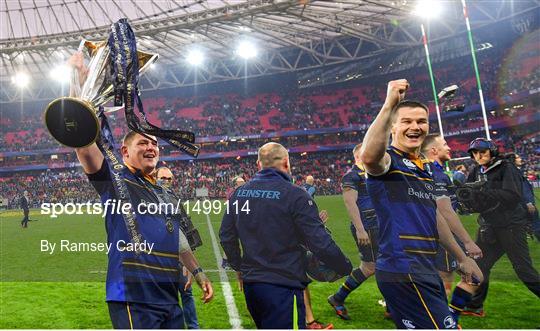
{"x": 271, "y": 306}
{"x": 368, "y": 253}
{"x": 415, "y": 301}
{"x": 445, "y": 261}
{"x": 131, "y": 315}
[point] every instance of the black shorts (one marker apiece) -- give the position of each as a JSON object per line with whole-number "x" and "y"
{"x": 368, "y": 253}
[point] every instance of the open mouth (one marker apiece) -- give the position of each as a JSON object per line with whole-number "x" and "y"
{"x": 413, "y": 135}
{"x": 149, "y": 156}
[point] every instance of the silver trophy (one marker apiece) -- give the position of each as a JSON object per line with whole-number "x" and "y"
{"x": 73, "y": 120}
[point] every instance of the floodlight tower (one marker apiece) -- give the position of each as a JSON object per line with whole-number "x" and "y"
{"x": 428, "y": 9}
{"x": 473, "y": 54}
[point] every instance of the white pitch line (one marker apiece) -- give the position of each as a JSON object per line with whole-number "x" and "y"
{"x": 232, "y": 310}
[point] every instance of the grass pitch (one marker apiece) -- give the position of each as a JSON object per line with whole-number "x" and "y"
{"x": 66, "y": 289}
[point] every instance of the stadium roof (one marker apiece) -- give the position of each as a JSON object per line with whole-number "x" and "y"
{"x": 36, "y": 35}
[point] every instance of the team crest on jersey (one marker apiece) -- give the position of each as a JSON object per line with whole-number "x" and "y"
{"x": 409, "y": 164}
{"x": 428, "y": 169}
{"x": 428, "y": 186}
{"x": 408, "y": 324}
{"x": 449, "y": 322}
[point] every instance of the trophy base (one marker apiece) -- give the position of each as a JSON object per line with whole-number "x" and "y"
{"x": 72, "y": 122}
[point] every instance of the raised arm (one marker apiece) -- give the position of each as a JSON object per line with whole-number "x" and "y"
{"x": 373, "y": 152}
{"x": 90, "y": 156}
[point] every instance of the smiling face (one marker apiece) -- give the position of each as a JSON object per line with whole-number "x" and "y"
{"x": 410, "y": 127}
{"x": 141, "y": 153}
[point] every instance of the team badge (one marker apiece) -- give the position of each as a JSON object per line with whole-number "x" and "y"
{"x": 428, "y": 186}
{"x": 408, "y": 324}
{"x": 169, "y": 225}
{"x": 409, "y": 164}
{"x": 449, "y": 322}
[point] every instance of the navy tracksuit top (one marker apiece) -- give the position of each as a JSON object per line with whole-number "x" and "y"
{"x": 265, "y": 245}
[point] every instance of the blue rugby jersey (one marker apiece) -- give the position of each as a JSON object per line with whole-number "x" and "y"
{"x": 444, "y": 184}
{"x": 404, "y": 200}
{"x": 355, "y": 179}
{"x": 151, "y": 278}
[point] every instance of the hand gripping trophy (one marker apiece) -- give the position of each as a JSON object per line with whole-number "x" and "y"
{"x": 113, "y": 73}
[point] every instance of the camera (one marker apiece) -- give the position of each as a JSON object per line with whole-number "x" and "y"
{"x": 468, "y": 197}
{"x": 447, "y": 96}
{"x": 448, "y": 92}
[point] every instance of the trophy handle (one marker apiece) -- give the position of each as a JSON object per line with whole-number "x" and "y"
{"x": 75, "y": 90}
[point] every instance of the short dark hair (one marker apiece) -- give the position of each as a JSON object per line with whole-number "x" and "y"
{"x": 128, "y": 137}
{"x": 410, "y": 104}
{"x": 430, "y": 139}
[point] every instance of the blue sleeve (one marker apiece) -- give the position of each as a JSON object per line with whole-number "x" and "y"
{"x": 101, "y": 180}
{"x": 528, "y": 195}
{"x": 349, "y": 181}
{"x": 313, "y": 234}
{"x": 229, "y": 240}
{"x": 311, "y": 190}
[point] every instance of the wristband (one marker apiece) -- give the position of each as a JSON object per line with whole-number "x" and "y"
{"x": 196, "y": 271}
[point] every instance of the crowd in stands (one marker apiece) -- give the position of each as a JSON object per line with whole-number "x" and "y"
{"x": 216, "y": 175}
{"x": 351, "y": 103}
{"x": 71, "y": 185}
{"x": 504, "y": 71}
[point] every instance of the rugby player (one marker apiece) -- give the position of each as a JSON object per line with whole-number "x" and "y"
{"x": 141, "y": 287}
{"x": 437, "y": 151}
{"x": 365, "y": 231}
{"x": 410, "y": 228}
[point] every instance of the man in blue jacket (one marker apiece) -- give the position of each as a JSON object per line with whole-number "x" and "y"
{"x": 273, "y": 220}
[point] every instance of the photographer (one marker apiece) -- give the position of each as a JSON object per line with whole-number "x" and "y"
{"x": 494, "y": 189}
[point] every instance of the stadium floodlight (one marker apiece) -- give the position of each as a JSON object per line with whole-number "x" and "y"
{"x": 428, "y": 8}
{"x": 246, "y": 50}
{"x": 61, "y": 73}
{"x": 195, "y": 57}
{"x": 21, "y": 79}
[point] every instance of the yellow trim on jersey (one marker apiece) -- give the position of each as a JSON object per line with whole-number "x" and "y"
{"x": 345, "y": 285}
{"x": 423, "y": 303}
{"x": 398, "y": 152}
{"x": 411, "y": 237}
{"x": 129, "y": 316}
{"x": 408, "y": 174}
{"x": 149, "y": 266}
{"x": 454, "y": 307}
{"x": 420, "y": 251}
{"x": 356, "y": 280}
{"x": 149, "y": 178}
{"x": 161, "y": 254}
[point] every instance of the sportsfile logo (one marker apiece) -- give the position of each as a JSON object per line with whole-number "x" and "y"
{"x": 118, "y": 207}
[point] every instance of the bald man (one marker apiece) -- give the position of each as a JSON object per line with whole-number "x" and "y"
{"x": 309, "y": 187}
{"x": 273, "y": 219}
